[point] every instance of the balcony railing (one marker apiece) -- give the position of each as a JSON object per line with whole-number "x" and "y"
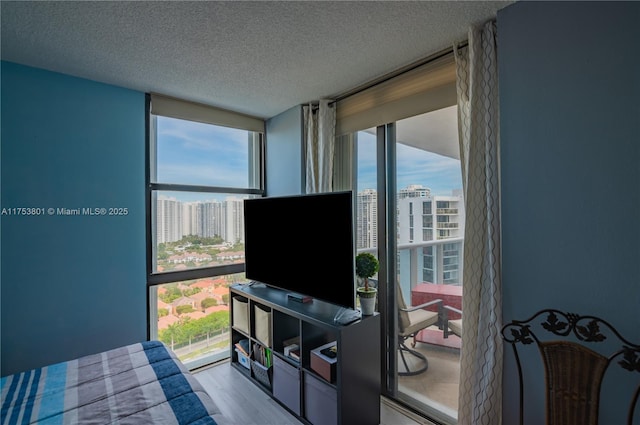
{"x": 446, "y": 211}
{"x": 448, "y": 225}
{"x": 411, "y": 259}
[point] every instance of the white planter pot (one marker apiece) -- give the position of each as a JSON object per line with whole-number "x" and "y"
{"x": 367, "y": 305}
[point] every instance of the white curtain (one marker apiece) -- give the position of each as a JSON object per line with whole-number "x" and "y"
{"x": 480, "y": 397}
{"x": 320, "y": 138}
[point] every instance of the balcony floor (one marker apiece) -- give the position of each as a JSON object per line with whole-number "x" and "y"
{"x": 438, "y": 385}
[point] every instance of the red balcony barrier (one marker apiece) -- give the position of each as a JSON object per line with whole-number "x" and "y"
{"x": 450, "y": 295}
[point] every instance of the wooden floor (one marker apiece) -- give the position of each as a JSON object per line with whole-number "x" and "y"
{"x": 241, "y": 400}
{"x": 244, "y": 403}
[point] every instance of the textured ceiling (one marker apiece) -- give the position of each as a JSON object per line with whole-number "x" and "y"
{"x": 259, "y": 58}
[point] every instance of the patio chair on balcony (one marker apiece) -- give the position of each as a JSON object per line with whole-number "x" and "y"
{"x": 585, "y": 362}
{"x": 411, "y": 321}
{"x": 451, "y": 326}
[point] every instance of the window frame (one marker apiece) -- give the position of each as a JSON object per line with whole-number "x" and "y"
{"x": 155, "y": 278}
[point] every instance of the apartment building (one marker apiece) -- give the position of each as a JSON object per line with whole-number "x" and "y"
{"x": 424, "y": 221}
{"x": 176, "y": 219}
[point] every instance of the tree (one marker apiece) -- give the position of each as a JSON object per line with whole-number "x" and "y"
{"x": 209, "y": 325}
{"x": 181, "y": 309}
{"x": 171, "y": 334}
{"x": 208, "y": 302}
{"x": 189, "y": 329}
{"x": 191, "y": 291}
{"x": 366, "y": 267}
{"x": 172, "y": 293}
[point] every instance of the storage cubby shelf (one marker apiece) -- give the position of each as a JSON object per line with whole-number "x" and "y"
{"x": 349, "y": 394}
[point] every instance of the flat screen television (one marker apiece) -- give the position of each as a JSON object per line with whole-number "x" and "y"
{"x": 303, "y": 244}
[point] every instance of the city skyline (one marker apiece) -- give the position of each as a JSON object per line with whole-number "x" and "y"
{"x": 423, "y": 218}
{"x": 176, "y": 218}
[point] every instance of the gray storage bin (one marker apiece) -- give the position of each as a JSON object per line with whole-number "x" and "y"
{"x": 262, "y": 373}
{"x": 286, "y": 384}
{"x": 320, "y": 401}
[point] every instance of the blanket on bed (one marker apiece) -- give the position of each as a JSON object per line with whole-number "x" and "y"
{"x": 142, "y": 383}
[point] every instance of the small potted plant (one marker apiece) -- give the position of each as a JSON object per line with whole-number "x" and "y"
{"x": 366, "y": 267}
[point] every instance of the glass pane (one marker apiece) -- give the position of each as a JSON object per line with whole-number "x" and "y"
{"x": 195, "y": 230}
{"x": 430, "y": 227}
{"x": 193, "y": 318}
{"x": 367, "y": 198}
{"x": 199, "y": 154}
{"x": 367, "y": 202}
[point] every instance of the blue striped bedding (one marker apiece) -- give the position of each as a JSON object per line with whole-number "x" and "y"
{"x": 142, "y": 383}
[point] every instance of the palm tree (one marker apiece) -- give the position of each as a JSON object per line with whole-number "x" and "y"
{"x": 173, "y": 331}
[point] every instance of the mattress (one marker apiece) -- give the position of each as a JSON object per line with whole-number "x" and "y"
{"x": 142, "y": 383}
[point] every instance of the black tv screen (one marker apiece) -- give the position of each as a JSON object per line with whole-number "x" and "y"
{"x": 303, "y": 244}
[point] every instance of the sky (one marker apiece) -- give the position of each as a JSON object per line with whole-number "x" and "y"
{"x": 413, "y": 166}
{"x": 201, "y": 154}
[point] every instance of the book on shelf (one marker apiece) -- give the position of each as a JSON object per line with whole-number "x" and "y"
{"x": 290, "y": 347}
{"x": 262, "y": 355}
{"x": 295, "y": 354}
{"x": 243, "y": 346}
{"x": 269, "y": 359}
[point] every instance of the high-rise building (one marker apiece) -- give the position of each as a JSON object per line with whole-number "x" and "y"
{"x": 414, "y": 191}
{"x": 169, "y": 220}
{"x": 209, "y": 219}
{"x": 366, "y": 219}
{"x": 234, "y": 229}
{"x": 190, "y": 218}
{"x": 423, "y": 219}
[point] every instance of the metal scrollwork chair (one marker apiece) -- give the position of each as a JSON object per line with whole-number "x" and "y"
{"x": 412, "y": 320}
{"x": 574, "y": 363}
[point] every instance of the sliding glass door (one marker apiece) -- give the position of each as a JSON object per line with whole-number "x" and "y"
{"x": 410, "y": 214}
{"x": 430, "y": 231}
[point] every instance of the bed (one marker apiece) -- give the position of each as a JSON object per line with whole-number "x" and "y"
{"x": 142, "y": 383}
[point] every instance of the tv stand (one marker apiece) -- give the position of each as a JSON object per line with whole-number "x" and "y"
{"x": 343, "y": 389}
{"x": 299, "y": 297}
{"x": 346, "y": 316}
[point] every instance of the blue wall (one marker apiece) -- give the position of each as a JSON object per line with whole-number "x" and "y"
{"x": 570, "y": 127}
{"x": 71, "y": 285}
{"x": 284, "y": 154}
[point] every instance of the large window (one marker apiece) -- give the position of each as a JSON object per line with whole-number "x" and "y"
{"x": 203, "y": 163}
